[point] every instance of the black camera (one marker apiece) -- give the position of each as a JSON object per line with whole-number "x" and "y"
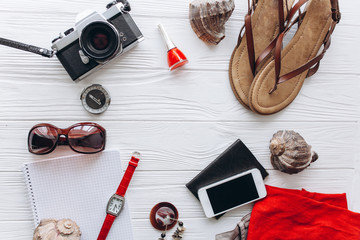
{"x": 96, "y": 39}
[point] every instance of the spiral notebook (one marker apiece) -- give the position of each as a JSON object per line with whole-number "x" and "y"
{"x": 78, "y": 187}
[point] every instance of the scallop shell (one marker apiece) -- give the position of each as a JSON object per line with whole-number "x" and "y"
{"x": 290, "y": 153}
{"x": 64, "y": 229}
{"x": 208, "y": 18}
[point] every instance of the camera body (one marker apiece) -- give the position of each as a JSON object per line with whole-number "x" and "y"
{"x": 95, "y": 40}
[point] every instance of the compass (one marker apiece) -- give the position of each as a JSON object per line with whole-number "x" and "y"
{"x": 95, "y": 99}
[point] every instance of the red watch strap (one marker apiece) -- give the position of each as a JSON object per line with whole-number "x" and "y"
{"x": 127, "y": 176}
{"x": 106, "y": 227}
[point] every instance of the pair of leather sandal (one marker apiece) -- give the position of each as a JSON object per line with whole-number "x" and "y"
{"x": 266, "y": 77}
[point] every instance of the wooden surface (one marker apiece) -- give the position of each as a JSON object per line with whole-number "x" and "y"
{"x": 180, "y": 121}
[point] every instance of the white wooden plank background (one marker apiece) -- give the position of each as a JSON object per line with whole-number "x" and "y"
{"x": 180, "y": 121}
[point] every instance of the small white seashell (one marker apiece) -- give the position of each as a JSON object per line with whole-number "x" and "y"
{"x": 64, "y": 229}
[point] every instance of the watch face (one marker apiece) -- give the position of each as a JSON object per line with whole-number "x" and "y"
{"x": 115, "y": 205}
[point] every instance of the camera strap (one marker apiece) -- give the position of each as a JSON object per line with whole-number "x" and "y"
{"x": 25, "y": 47}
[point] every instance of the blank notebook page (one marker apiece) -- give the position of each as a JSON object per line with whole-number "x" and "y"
{"x": 78, "y": 187}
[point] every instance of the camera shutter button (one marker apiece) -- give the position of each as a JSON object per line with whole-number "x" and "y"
{"x": 58, "y": 38}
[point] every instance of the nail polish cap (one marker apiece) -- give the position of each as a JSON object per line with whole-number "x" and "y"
{"x": 168, "y": 41}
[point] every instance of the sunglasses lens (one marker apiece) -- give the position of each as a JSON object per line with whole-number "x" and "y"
{"x": 87, "y": 139}
{"x": 42, "y": 140}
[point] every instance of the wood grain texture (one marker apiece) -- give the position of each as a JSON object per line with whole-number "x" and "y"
{"x": 193, "y": 145}
{"x": 170, "y": 186}
{"x": 180, "y": 121}
{"x": 158, "y": 95}
{"x": 151, "y": 53}
{"x": 205, "y": 229}
{"x": 154, "y": 8}
{"x": 143, "y": 71}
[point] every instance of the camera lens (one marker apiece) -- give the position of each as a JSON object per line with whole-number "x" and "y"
{"x": 99, "y": 40}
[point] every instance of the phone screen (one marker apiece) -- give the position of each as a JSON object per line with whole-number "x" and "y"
{"x": 232, "y": 193}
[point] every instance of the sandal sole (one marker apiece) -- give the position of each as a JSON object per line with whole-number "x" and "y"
{"x": 303, "y": 46}
{"x": 240, "y": 85}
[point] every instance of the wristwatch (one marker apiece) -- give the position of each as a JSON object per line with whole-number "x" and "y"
{"x": 117, "y": 201}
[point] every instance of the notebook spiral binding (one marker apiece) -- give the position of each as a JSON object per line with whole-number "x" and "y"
{"x": 31, "y": 195}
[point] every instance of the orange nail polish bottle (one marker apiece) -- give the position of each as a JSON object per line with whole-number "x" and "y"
{"x": 174, "y": 56}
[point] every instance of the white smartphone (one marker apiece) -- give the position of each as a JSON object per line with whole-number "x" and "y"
{"x": 232, "y": 192}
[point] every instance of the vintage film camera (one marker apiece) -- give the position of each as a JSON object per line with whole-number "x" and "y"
{"x": 94, "y": 41}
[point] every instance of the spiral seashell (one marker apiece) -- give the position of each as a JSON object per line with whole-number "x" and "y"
{"x": 64, "y": 229}
{"x": 290, "y": 153}
{"x": 208, "y": 18}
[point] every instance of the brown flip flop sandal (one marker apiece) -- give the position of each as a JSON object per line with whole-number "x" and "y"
{"x": 280, "y": 81}
{"x": 261, "y": 27}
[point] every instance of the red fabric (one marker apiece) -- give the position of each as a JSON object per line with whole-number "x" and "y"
{"x": 287, "y": 214}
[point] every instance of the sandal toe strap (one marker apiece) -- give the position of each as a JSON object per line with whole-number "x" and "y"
{"x": 313, "y": 64}
{"x": 249, "y": 33}
{"x": 289, "y": 23}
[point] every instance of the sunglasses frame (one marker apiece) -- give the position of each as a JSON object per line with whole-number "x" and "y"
{"x": 65, "y": 132}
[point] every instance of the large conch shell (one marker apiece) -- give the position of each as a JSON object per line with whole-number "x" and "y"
{"x": 208, "y": 18}
{"x": 290, "y": 153}
{"x": 51, "y": 229}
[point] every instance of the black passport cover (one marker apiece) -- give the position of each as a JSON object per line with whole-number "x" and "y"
{"x": 234, "y": 160}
